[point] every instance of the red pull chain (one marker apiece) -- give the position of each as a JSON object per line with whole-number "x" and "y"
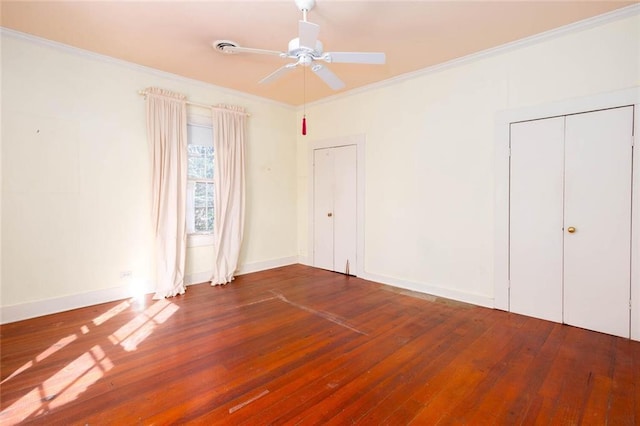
{"x": 304, "y": 101}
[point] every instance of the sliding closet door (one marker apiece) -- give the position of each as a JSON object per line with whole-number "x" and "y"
{"x": 597, "y": 244}
{"x": 536, "y": 204}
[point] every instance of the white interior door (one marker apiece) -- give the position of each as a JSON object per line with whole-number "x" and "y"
{"x": 597, "y": 255}
{"x": 570, "y": 219}
{"x": 536, "y": 206}
{"x": 345, "y": 209}
{"x": 323, "y": 208}
{"x": 335, "y": 209}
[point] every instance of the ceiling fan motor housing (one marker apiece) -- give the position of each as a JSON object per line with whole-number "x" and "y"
{"x": 306, "y": 49}
{"x": 296, "y": 51}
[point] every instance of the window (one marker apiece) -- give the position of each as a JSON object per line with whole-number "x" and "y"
{"x": 200, "y": 184}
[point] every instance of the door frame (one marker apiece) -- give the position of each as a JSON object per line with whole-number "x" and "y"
{"x": 359, "y": 142}
{"x": 503, "y": 121}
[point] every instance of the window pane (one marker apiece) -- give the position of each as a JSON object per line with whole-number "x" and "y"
{"x": 192, "y": 170}
{"x": 201, "y": 219}
{"x": 209, "y": 167}
{"x": 200, "y": 196}
{"x": 209, "y": 195}
{"x": 200, "y": 201}
{"x": 197, "y": 167}
{"x": 200, "y": 159}
{"x": 210, "y": 219}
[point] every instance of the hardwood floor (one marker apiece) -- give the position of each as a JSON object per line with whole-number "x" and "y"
{"x": 297, "y": 345}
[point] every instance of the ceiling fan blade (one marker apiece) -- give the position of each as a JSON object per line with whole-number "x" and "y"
{"x": 277, "y": 73}
{"x": 328, "y": 76}
{"x": 238, "y": 49}
{"x": 355, "y": 57}
{"x": 308, "y": 34}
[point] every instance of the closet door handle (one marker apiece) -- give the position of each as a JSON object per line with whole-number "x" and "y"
{"x": 571, "y": 229}
{"x": 329, "y": 214}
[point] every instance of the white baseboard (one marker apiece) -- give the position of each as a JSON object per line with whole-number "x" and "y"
{"x": 247, "y": 268}
{"x": 304, "y": 260}
{"x": 460, "y": 296}
{"x": 198, "y": 277}
{"x": 60, "y": 304}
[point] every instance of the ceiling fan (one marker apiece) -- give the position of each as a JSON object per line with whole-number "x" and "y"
{"x": 307, "y": 51}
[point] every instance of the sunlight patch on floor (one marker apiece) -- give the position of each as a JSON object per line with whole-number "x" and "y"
{"x": 22, "y": 369}
{"x": 62, "y": 387}
{"x": 135, "y": 331}
{"x": 56, "y": 347}
{"x": 77, "y": 376}
{"x": 101, "y": 319}
{"x": 48, "y": 352}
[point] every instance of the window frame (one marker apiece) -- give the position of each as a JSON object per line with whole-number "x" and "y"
{"x": 198, "y": 239}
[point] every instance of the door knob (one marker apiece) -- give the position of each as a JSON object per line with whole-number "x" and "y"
{"x": 571, "y": 229}
{"x": 329, "y": 214}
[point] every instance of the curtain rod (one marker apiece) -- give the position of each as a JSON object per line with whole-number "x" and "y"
{"x": 144, "y": 93}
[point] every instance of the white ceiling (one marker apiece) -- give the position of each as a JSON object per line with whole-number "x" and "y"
{"x": 176, "y": 36}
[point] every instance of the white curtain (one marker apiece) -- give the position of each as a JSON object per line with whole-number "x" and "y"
{"x": 229, "y": 135}
{"x": 167, "y": 135}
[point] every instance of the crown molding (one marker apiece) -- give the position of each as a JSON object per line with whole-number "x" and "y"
{"x": 585, "y": 24}
{"x": 136, "y": 67}
{"x": 622, "y": 13}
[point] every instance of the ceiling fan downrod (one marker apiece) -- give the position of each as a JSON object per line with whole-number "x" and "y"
{"x": 305, "y": 6}
{"x": 307, "y": 50}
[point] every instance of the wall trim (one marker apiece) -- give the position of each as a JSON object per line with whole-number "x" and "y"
{"x": 82, "y": 300}
{"x": 434, "y": 290}
{"x": 247, "y": 268}
{"x": 583, "y": 25}
{"x": 304, "y": 260}
{"x": 136, "y": 67}
{"x": 39, "y": 308}
{"x": 630, "y": 96}
{"x": 197, "y": 278}
{"x": 360, "y": 142}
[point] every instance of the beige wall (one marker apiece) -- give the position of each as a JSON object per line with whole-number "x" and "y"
{"x": 429, "y": 202}
{"x": 76, "y": 178}
{"x": 74, "y": 146}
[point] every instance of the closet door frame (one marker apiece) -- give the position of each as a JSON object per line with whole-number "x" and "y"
{"x": 359, "y": 141}
{"x": 503, "y": 122}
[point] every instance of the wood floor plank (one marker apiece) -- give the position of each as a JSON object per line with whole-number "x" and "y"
{"x": 296, "y": 381}
{"x": 509, "y": 394}
{"x": 350, "y": 366}
{"x": 623, "y": 378}
{"x": 478, "y": 365}
{"x": 472, "y": 325}
{"x": 299, "y": 345}
{"x": 388, "y": 385}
